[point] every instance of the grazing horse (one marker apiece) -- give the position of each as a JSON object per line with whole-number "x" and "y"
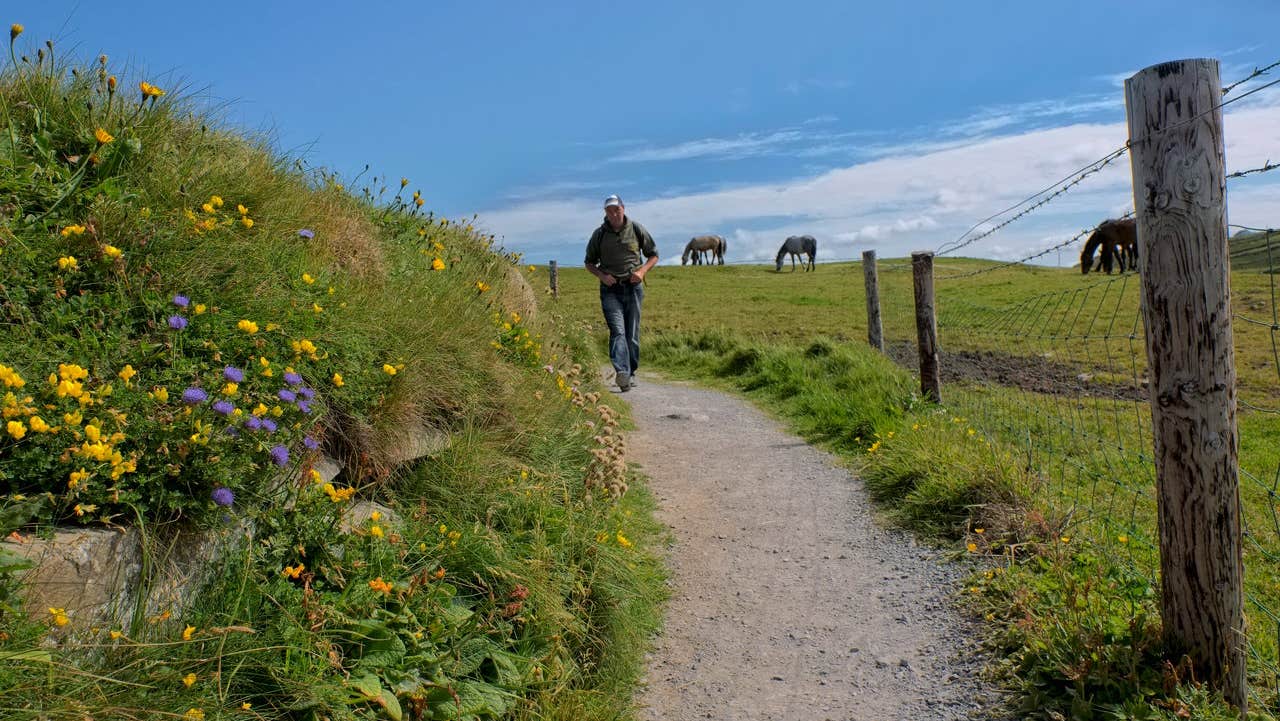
{"x": 1117, "y": 241}
{"x": 798, "y": 245}
{"x": 695, "y": 248}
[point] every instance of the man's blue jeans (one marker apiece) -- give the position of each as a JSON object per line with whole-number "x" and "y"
{"x": 621, "y": 305}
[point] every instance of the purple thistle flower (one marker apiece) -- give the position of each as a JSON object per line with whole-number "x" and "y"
{"x": 310, "y": 443}
{"x": 177, "y": 322}
{"x": 287, "y": 395}
{"x": 192, "y": 396}
{"x": 292, "y": 378}
{"x": 304, "y": 406}
{"x": 253, "y": 423}
{"x": 268, "y": 425}
{"x": 223, "y": 496}
{"x": 306, "y": 233}
{"x": 224, "y": 408}
{"x": 181, "y": 300}
{"x": 233, "y": 374}
{"x": 279, "y": 455}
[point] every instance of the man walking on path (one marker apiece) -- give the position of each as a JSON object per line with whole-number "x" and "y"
{"x": 620, "y": 253}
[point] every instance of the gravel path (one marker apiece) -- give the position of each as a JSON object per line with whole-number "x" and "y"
{"x": 789, "y": 599}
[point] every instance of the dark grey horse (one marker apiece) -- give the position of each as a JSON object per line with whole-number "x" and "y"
{"x": 798, "y": 245}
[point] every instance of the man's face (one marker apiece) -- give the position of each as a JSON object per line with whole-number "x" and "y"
{"x": 614, "y": 214}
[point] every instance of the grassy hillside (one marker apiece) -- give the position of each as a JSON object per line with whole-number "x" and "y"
{"x": 190, "y": 320}
{"x": 1038, "y": 462}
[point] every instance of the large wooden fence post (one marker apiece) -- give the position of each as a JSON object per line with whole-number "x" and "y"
{"x": 875, "y": 332}
{"x": 926, "y": 325}
{"x": 555, "y": 280}
{"x": 1179, "y": 194}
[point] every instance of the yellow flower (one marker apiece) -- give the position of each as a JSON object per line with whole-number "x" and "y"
{"x": 92, "y": 433}
{"x": 623, "y": 541}
{"x": 1123, "y": 539}
{"x": 14, "y": 31}
{"x": 216, "y": 200}
{"x": 380, "y": 585}
{"x": 126, "y": 373}
{"x": 149, "y": 90}
{"x": 242, "y": 210}
{"x": 1065, "y": 539}
{"x": 388, "y": 369}
{"x": 160, "y": 393}
{"x": 375, "y": 531}
{"x": 80, "y": 510}
{"x": 293, "y": 571}
{"x": 208, "y": 208}
{"x": 192, "y": 714}
{"x": 186, "y": 633}
{"x": 308, "y": 278}
{"x": 246, "y": 706}
{"x": 404, "y": 182}
{"x": 67, "y": 262}
{"x": 200, "y": 308}
{"x": 115, "y": 635}
{"x": 973, "y": 548}
{"x": 247, "y": 326}
{"x": 16, "y": 429}
{"x": 230, "y": 389}
{"x": 375, "y": 516}
{"x": 103, "y": 136}
{"x": 111, "y": 251}
{"x": 337, "y": 380}
{"x": 317, "y": 308}
{"x": 246, "y": 222}
{"x": 71, "y": 230}
{"x": 437, "y": 264}
{"x": 38, "y": 424}
{"x": 979, "y": 531}
{"x": 59, "y": 616}
{"x": 418, "y": 202}
{"x": 76, "y": 478}
{"x": 482, "y": 286}
{"x": 189, "y": 680}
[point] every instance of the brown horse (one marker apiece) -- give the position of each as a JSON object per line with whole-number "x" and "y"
{"x": 695, "y": 248}
{"x": 1118, "y": 242}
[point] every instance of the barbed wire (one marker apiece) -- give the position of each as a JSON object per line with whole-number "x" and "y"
{"x": 1101, "y": 163}
{"x": 1257, "y": 72}
{"x": 1075, "y": 178}
{"x": 1073, "y": 239}
{"x": 1267, "y": 166}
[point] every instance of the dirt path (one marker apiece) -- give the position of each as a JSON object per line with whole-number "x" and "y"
{"x": 789, "y": 600}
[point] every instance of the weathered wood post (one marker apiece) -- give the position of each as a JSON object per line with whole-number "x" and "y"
{"x": 875, "y": 332}
{"x": 555, "y": 281}
{"x": 926, "y": 325}
{"x": 1179, "y": 194}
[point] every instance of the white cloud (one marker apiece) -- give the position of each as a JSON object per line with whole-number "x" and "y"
{"x": 916, "y": 196}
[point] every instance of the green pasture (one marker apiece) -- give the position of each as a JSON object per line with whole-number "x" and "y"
{"x": 1039, "y": 459}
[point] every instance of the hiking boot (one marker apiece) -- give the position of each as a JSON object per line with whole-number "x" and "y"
{"x": 624, "y": 381}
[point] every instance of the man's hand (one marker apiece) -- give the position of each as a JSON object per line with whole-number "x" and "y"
{"x": 608, "y": 280}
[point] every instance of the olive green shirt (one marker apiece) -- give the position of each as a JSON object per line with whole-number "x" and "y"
{"x": 618, "y": 252}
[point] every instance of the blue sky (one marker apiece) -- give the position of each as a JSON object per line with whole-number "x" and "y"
{"x": 886, "y": 126}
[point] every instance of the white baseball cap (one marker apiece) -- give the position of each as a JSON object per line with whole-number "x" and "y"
{"x": 612, "y": 200}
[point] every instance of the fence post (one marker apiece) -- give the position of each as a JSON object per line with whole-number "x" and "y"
{"x": 926, "y": 325}
{"x": 1179, "y": 195}
{"x": 555, "y": 281}
{"x": 875, "y": 332}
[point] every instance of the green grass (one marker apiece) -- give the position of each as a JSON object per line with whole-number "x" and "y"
{"x": 511, "y": 578}
{"x": 1039, "y": 460}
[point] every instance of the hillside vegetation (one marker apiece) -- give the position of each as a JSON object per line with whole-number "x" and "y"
{"x": 189, "y": 321}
